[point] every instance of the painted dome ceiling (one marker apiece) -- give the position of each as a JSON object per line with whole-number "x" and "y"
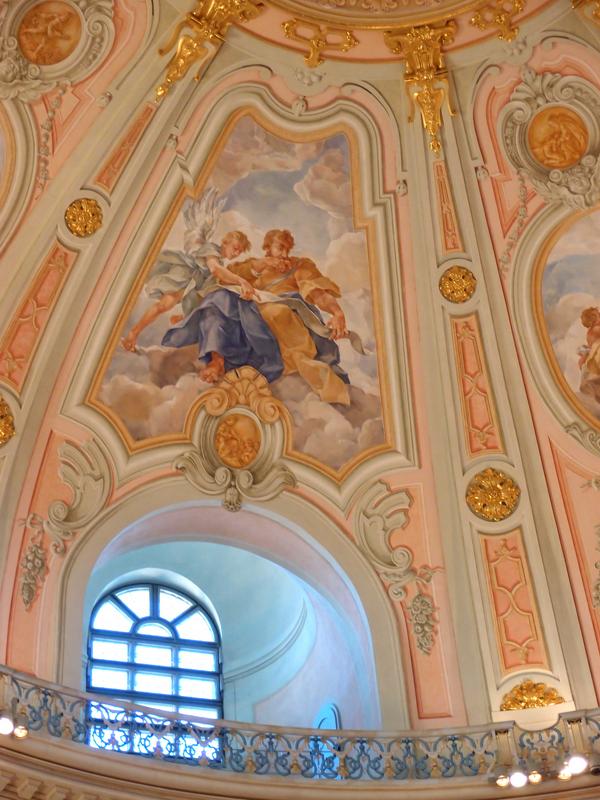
{"x": 321, "y": 271}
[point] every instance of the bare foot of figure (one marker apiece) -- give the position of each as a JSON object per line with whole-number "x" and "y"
{"x": 214, "y": 370}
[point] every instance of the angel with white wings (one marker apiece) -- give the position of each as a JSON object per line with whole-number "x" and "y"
{"x": 184, "y": 276}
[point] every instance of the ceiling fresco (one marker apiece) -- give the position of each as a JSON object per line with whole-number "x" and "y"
{"x": 570, "y": 294}
{"x": 265, "y": 267}
{"x": 323, "y": 270}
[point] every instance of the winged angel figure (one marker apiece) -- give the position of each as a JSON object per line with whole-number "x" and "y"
{"x": 186, "y": 276}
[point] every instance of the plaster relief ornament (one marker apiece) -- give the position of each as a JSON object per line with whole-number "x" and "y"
{"x": 239, "y": 441}
{"x": 551, "y": 135}
{"x": 528, "y": 694}
{"x": 381, "y": 514}
{"x": 558, "y": 137}
{"x": 49, "y": 32}
{"x": 83, "y": 217}
{"x": 492, "y": 495}
{"x": 85, "y": 470}
{"x": 458, "y": 284}
{"x": 7, "y": 422}
{"x": 51, "y": 43}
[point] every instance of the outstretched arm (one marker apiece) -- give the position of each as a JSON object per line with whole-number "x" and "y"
{"x": 166, "y": 302}
{"x": 230, "y": 278}
{"x": 337, "y": 322}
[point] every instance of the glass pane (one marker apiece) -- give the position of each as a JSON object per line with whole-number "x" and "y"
{"x": 155, "y": 684}
{"x": 153, "y": 654}
{"x": 160, "y": 706}
{"x": 203, "y": 688}
{"x": 209, "y": 713}
{"x": 154, "y": 629}
{"x": 106, "y": 678}
{"x": 138, "y": 600}
{"x": 192, "y": 659}
{"x": 110, "y": 651}
{"x": 171, "y": 605}
{"x": 110, "y": 618}
{"x": 196, "y": 626}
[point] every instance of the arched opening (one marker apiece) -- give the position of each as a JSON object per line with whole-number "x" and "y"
{"x": 294, "y": 629}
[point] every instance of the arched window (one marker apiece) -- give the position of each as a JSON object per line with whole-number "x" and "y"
{"x": 152, "y": 645}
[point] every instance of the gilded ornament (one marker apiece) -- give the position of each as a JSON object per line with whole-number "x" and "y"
{"x": 237, "y": 440}
{"x": 319, "y": 38}
{"x": 458, "y": 284}
{"x": 425, "y": 73}
{"x": 83, "y": 217}
{"x": 7, "y": 422}
{"x": 595, "y": 7}
{"x": 499, "y": 14}
{"x": 528, "y": 694}
{"x": 49, "y": 32}
{"x": 208, "y": 22}
{"x": 492, "y": 495}
{"x": 557, "y": 137}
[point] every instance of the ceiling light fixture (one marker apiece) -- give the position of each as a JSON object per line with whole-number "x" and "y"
{"x": 534, "y": 776}
{"x": 576, "y": 764}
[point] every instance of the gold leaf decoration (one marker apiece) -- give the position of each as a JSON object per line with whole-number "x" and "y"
{"x": 7, "y": 422}
{"x": 83, "y": 217}
{"x": 492, "y": 495}
{"x": 528, "y": 694}
{"x": 319, "y": 38}
{"x": 499, "y": 14}
{"x": 458, "y": 284}
{"x": 425, "y": 73}
{"x": 208, "y": 22}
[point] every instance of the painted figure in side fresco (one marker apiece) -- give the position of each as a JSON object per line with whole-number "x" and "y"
{"x": 571, "y": 306}
{"x": 183, "y": 275}
{"x": 265, "y": 267}
{"x": 589, "y": 354}
{"x": 280, "y": 331}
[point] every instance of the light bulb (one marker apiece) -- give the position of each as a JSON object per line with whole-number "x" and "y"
{"x": 6, "y": 725}
{"x": 518, "y": 779}
{"x": 21, "y": 731}
{"x": 565, "y": 774}
{"x": 534, "y": 776}
{"x": 577, "y": 764}
{"x": 502, "y": 781}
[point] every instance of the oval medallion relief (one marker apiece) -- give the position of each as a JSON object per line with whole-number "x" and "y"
{"x": 558, "y": 138}
{"x": 49, "y": 32}
{"x": 237, "y": 440}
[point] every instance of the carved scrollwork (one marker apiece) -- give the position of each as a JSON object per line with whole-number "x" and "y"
{"x": 85, "y": 470}
{"x": 239, "y": 443}
{"x": 551, "y": 135}
{"x": 380, "y": 515}
{"x": 47, "y": 42}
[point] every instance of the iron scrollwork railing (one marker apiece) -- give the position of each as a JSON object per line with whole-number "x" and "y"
{"x": 52, "y": 711}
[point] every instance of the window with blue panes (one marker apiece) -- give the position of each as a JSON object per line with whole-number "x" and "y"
{"x": 155, "y": 646}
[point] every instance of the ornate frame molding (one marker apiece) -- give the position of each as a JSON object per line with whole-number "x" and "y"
{"x": 23, "y": 80}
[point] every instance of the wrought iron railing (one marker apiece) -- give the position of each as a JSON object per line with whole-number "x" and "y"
{"x": 42, "y": 709}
